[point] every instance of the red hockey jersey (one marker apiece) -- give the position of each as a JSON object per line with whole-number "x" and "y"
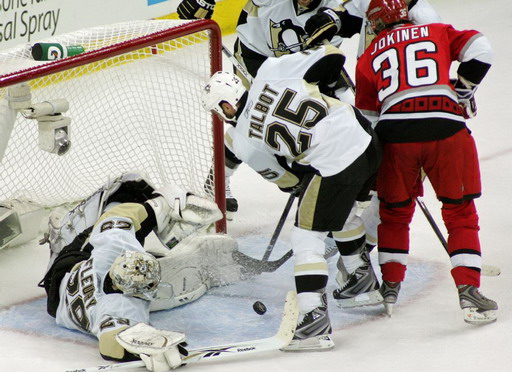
{"x": 403, "y": 80}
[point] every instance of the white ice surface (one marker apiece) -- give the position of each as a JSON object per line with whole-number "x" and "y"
{"x": 426, "y": 332}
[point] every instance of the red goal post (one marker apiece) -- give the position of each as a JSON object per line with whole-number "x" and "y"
{"x": 134, "y": 105}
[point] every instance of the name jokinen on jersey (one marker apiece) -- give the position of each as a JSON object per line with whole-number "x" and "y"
{"x": 416, "y": 101}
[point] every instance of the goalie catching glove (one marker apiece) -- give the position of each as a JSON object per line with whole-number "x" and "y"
{"x": 324, "y": 25}
{"x": 466, "y": 95}
{"x": 196, "y": 9}
{"x": 160, "y": 350}
{"x": 179, "y": 213}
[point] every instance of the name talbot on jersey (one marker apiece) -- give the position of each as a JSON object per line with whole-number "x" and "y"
{"x": 263, "y": 106}
{"x": 399, "y": 35}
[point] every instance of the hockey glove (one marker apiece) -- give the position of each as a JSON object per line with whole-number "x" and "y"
{"x": 465, "y": 93}
{"x": 324, "y": 25}
{"x": 160, "y": 350}
{"x": 196, "y": 9}
{"x": 295, "y": 190}
{"x": 179, "y": 214}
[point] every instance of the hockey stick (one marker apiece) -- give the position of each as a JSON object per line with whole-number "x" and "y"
{"x": 255, "y": 266}
{"x": 237, "y": 64}
{"x": 279, "y": 227}
{"x": 487, "y": 270}
{"x": 281, "y": 339}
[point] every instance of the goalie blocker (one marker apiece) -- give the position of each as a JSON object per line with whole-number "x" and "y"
{"x": 160, "y": 350}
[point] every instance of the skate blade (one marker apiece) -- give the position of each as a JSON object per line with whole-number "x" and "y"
{"x": 316, "y": 343}
{"x": 388, "y": 307}
{"x": 473, "y": 316}
{"x": 363, "y": 299}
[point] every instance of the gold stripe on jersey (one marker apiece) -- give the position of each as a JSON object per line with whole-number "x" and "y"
{"x": 251, "y": 9}
{"x": 312, "y": 90}
{"x": 331, "y": 49}
{"x": 332, "y": 102}
{"x": 228, "y": 141}
{"x": 307, "y": 206}
{"x": 134, "y": 211}
{"x": 109, "y": 346}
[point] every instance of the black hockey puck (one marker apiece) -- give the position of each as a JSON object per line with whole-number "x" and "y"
{"x": 259, "y": 307}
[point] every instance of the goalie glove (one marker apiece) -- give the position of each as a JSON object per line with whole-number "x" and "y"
{"x": 176, "y": 198}
{"x": 196, "y": 9}
{"x": 160, "y": 350}
{"x": 324, "y": 25}
{"x": 179, "y": 214}
{"x": 466, "y": 95}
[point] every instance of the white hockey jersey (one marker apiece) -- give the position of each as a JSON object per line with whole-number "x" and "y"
{"x": 84, "y": 305}
{"x": 420, "y": 13}
{"x": 288, "y": 118}
{"x": 273, "y": 28}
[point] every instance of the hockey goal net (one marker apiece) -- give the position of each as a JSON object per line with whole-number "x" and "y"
{"x": 134, "y": 103}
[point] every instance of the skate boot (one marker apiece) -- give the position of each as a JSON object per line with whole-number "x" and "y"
{"x": 313, "y": 330}
{"x": 231, "y": 202}
{"x": 477, "y": 308}
{"x": 389, "y": 292}
{"x": 361, "y": 288}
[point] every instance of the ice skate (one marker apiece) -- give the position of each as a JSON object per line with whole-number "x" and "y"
{"x": 361, "y": 288}
{"x": 477, "y": 308}
{"x": 389, "y": 292}
{"x": 313, "y": 330}
{"x": 231, "y": 202}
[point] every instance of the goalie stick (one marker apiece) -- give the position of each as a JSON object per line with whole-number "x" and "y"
{"x": 281, "y": 339}
{"x": 487, "y": 270}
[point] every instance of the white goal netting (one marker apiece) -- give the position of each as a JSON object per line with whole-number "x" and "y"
{"x": 134, "y": 106}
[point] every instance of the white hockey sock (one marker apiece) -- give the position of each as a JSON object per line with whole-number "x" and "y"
{"x": 352, "y": 262}
{"x": 308, "y": 301}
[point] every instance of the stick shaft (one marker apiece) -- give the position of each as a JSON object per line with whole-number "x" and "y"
{"x": 279, "y": 227}
{"x": 486, "y": 270}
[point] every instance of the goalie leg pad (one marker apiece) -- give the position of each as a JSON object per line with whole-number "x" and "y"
{"x": 195, "y": 265}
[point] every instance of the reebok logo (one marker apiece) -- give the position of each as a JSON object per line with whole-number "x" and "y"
{"x": 242, "y": 349}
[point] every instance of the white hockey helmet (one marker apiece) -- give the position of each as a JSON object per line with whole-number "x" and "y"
{"x": 223, "y": 87}
{"x": 136, "y": 274}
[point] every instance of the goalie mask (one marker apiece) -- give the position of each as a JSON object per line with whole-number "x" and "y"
{"x": 223, "y": 87}
{"x": 385, "y": 13}
{"x": 136, "y": 274}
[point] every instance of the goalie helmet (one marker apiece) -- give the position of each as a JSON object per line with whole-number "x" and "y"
{"x": 385, "y": 13}
{"x": 136, "y": 274}
{"x": 223, "y": 87}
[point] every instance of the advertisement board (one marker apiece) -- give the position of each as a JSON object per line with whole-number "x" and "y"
{"x": 25, "y": 21}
